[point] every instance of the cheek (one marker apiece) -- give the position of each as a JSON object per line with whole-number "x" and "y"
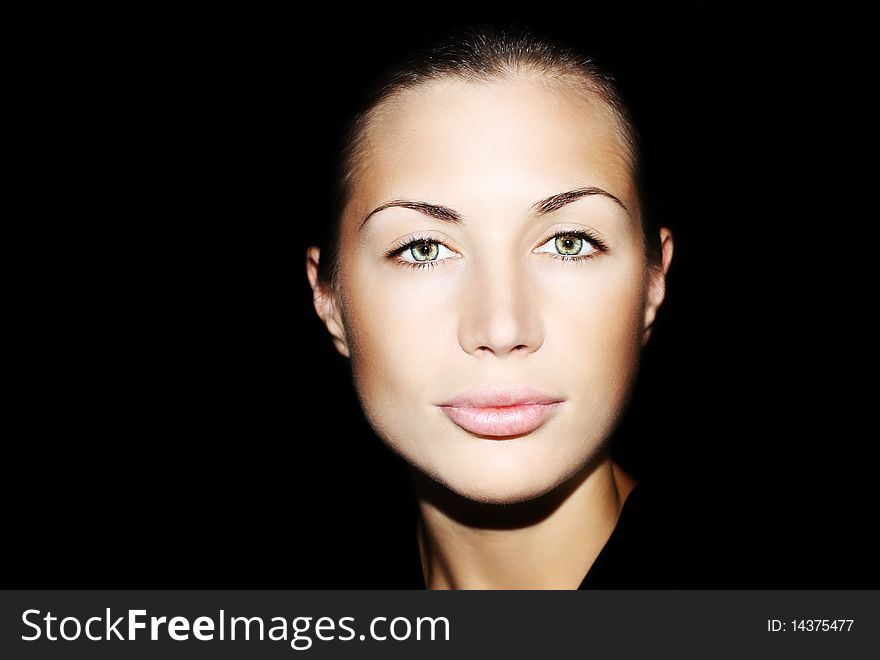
{"x": 594, "y": 322}
{"x": 604, "y": 311}
{"x": 398, "y": 328}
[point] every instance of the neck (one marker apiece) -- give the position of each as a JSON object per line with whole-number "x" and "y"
{"x": 546, "y": 543}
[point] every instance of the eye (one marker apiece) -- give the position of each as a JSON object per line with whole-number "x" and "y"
{"x": 575, "y": 244}
{"x": 421, "y": 252}
{"x": 426, "y": 251}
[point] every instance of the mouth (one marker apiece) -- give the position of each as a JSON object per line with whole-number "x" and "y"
{"x": 501, "y": 413}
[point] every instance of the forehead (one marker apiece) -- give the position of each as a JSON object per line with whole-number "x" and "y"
{"x": 451, "y": 137}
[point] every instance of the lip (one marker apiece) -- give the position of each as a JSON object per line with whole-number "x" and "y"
{"x": 501, "y": 412}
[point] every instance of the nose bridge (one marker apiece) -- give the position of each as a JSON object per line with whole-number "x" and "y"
{"x": 501, "y": 315}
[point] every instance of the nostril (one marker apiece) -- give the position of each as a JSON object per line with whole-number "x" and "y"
{"x": 519, "y": 348}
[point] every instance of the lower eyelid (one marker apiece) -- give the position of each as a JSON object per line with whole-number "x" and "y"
{"x": 420, "y": 264}
{"x": 572, "y": 257}
{"x": 568, "y": 257}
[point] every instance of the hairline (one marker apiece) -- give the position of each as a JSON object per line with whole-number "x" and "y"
{"x": 562, "y": 75}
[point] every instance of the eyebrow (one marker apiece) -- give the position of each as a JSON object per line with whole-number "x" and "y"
{"x": 559, "y": 200}
{"x": 541, "y": 207}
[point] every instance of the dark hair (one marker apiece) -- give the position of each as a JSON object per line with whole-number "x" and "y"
{"x": 484, "y": 54}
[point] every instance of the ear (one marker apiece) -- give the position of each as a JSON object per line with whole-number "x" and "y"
{"x": 326, "y": 303}
{"x": 657, "y": 284}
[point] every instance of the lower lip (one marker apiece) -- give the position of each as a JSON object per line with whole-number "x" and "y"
{"x": 500, "y": 422}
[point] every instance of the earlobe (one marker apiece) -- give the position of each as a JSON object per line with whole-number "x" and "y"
{"x": 326, "y": 303}
{"x": 656, "y": 292}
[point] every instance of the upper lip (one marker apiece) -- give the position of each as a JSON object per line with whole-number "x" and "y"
{"x": 500, "y": 397}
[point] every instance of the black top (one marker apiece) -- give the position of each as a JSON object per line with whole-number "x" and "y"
{"x": 621, "y": 554}
{"x": 652, "y": 545}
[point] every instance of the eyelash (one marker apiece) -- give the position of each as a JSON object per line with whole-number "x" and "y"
{"x": 583, "y": 234}
{"x": 408, "y": 243}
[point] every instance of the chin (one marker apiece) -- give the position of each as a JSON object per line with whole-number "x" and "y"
{"x": 501, "y": 490}
{"x": 502, "y": 476}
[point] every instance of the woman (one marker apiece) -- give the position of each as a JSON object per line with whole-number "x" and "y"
{"x": 493, "y": 279}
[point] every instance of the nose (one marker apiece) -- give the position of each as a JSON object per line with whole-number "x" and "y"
{"x": 500, "y": 313}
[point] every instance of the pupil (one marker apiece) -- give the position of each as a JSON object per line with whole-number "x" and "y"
{"x": 424, "y": 251}
{"x": 569, "y": 244}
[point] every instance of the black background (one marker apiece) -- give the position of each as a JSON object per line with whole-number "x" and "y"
{"x": 178, "y": 415}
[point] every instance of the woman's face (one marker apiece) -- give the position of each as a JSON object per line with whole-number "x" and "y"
{"x": 445, "y": 333}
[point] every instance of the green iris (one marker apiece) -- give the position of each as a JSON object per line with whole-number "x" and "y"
{"x": 569, "y": 245}
{"x": 424, "y": 251}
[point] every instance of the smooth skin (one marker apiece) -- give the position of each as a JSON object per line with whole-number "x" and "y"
{"x": 498, "y": 308}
